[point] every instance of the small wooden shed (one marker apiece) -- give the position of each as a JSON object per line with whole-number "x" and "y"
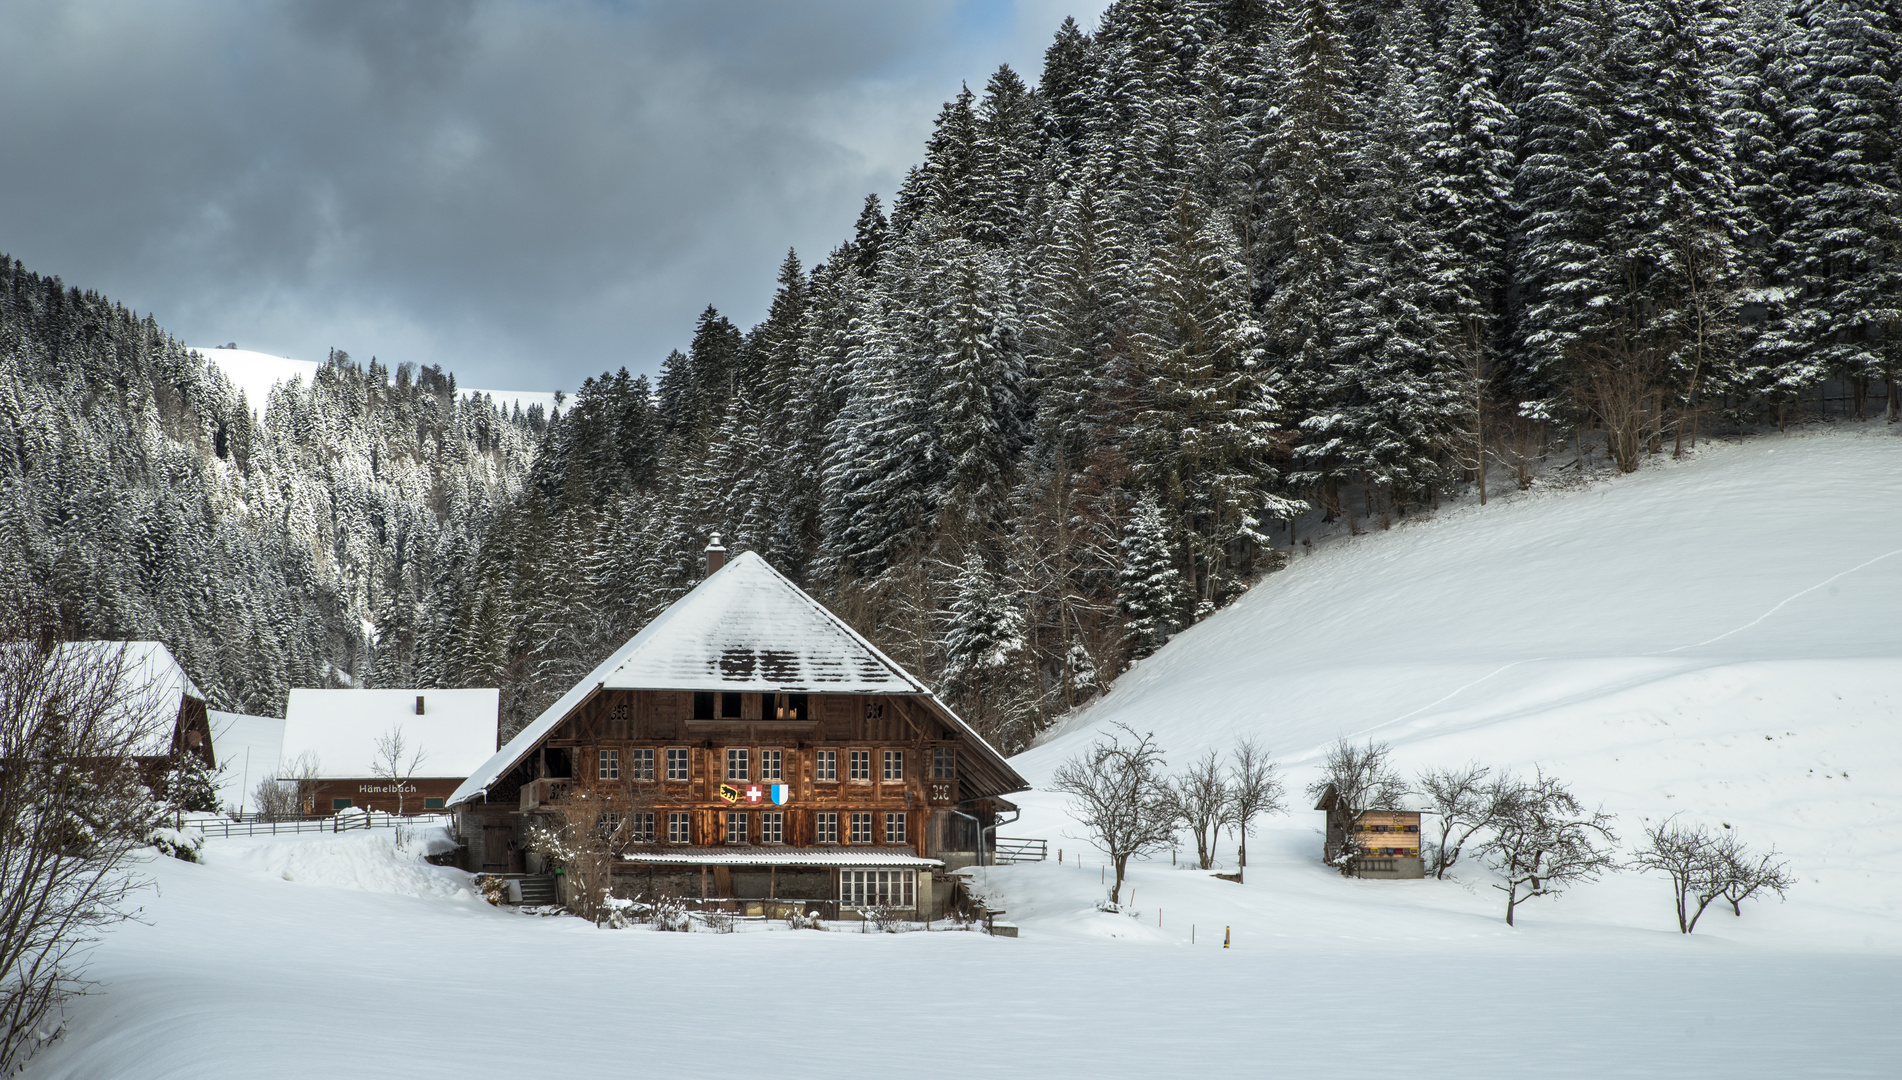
{"x": 1376, "y": 843}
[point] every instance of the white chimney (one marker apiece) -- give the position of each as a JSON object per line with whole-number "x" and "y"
{"x": 716, "y": 555}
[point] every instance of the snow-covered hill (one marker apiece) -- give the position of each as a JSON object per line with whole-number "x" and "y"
{"x": 255, "y": 373}
{"x": 1720, "y": 637}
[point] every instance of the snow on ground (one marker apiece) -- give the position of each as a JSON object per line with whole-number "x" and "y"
{"x": 1720, "y": 637}
{"x": 255, "y": 373}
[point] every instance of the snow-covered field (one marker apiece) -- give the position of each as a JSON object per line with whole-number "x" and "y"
{"x": 1720, "y": 637}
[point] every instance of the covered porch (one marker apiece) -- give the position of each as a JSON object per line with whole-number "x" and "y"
{"x": 780, "y": 882}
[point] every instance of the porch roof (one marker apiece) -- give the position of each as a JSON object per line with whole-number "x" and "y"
{"x": 781, "y": 856}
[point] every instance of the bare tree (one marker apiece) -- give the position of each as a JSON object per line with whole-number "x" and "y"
{"x": 1544, "y": 840}
{"x": 396, "y": 761}
{"x": 1200, "y": 799}
{"x": 1117, "y": 792}
{"x": 1705, "y": 865}
{"x": 1362, "y": 778}
{"x": 1465, "y": 802}
{"x": 74, "y": 807}
{"x": 578, "y": 830}
{"x": 1688, "y": 855}
{"x": 1746, "y": 874}
{"x": 1255, "y": 790}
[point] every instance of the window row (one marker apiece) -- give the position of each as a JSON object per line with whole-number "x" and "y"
{"x": 771, "y": 764}
{"x": 729, "y": 705}
{"x": 766, "y": 827}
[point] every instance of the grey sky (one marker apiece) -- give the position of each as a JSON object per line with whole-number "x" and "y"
{"x": 525, "y": 193}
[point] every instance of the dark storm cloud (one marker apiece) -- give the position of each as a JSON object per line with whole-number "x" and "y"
{"x": 523, "y": 192}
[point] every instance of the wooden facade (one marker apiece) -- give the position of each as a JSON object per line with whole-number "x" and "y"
{"x": 1386, "y": 842}
{"x": 854, "y": 793}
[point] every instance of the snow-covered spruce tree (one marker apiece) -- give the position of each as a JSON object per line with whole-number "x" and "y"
{"x": 1388, "y": 405}
{"x": 1154, "y": 596}
{"x": 1308, "y": 152}
{"x": 1848, "y": 242}
{"x": 1201, "y": 436}
{"x": 979, "y": 392}
{"x": 1079, "y": 296}
{"x": 983, "y": 668}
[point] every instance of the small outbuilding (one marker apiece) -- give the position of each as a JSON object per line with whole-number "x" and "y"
{"x": 1375, "y": 843}
{"x": 338, "y": 743}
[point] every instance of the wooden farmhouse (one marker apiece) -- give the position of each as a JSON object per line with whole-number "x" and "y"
{"x": 761, "y": 755}
{"x": 331, "y": 742}
{"x": 1386, "y": 843}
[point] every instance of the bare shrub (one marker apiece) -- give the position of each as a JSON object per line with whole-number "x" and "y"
{"x": 1465, "y": 801}
{"x": 1705, "y": 865}
{"x": 74, "y": 807}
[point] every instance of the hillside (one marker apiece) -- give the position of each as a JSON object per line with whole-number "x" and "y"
{"x": 1718, "y": 637}
{"x": 255, "y": 373}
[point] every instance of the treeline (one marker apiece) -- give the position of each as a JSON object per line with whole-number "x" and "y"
{"x": 142, "y": 498}
{"x": 1230, "y": 260}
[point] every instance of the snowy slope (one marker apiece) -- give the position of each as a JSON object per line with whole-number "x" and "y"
{"x": 1720, "y": 636}
{"x": 255, "y": 373}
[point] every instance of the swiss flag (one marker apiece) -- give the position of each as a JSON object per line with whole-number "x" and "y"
{"x": 755, "y": 793}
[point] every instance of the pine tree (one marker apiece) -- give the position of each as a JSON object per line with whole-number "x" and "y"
{"x": 1153, "y": 591}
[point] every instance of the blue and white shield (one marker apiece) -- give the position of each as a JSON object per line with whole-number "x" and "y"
{"x": 782, "y": 794}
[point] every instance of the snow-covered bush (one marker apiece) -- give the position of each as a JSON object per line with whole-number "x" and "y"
{"x": 804, "y": 920}
{"x": 187, "y": 843}
{"x": 717, "y": 921}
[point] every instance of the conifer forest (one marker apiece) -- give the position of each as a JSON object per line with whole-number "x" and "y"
{"x": 1228, "y": 267}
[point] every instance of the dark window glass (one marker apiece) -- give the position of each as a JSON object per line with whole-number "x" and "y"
{"x": 703, "y": 704}
{"x": 729, "y": 706}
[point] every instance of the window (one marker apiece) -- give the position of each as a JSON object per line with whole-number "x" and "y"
{"x": 640, "y": 763}
{"x": 894, "y": 765}
{"x": 944, "y": 763}
{"x": 677, "y": 763}
{"x": 785, "y": 707}
{"x": 679, "y": 827}
{"x": 640, "y": 827}
{"x": 860, "y": 763}
{"x": 703, "y": 704}
{"x": 825, "y": 827}
{"x": 736, "y": 764}
{"x": 826, "y": 766}
{"x": 888, "y": 888}
{"x": 736, "y": 827}
{"x": 772, "y": 828}
{"x": 769, "y": 761}
{"x": 432, "y": 804}
{"x": 861, "y": 827}
{"x": 610, "y": 764}
{"x": 340, "y": 804}
{"x": 894, "y": 828}
{"x": 608, "y": 824}
{"x": 729, "y": 705}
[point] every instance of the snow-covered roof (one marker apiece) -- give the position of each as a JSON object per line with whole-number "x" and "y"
{"x": 456, "y": 729}
{"x": 779, "y": 856}
{"x": 745, "y": 628}
{"x": 150, "y": 677}
{"x": 247, "y": 749}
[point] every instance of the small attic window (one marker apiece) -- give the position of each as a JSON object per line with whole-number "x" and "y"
{"x": 703, "y": 704}
{"x": 729, "y": 705}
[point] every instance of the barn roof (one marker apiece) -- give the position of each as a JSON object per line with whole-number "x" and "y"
{"x": 456, "y": 729}
{"x": 248, "y": 748}
{"x": 152, "y": 680}
{"x": 745, "y": 628}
